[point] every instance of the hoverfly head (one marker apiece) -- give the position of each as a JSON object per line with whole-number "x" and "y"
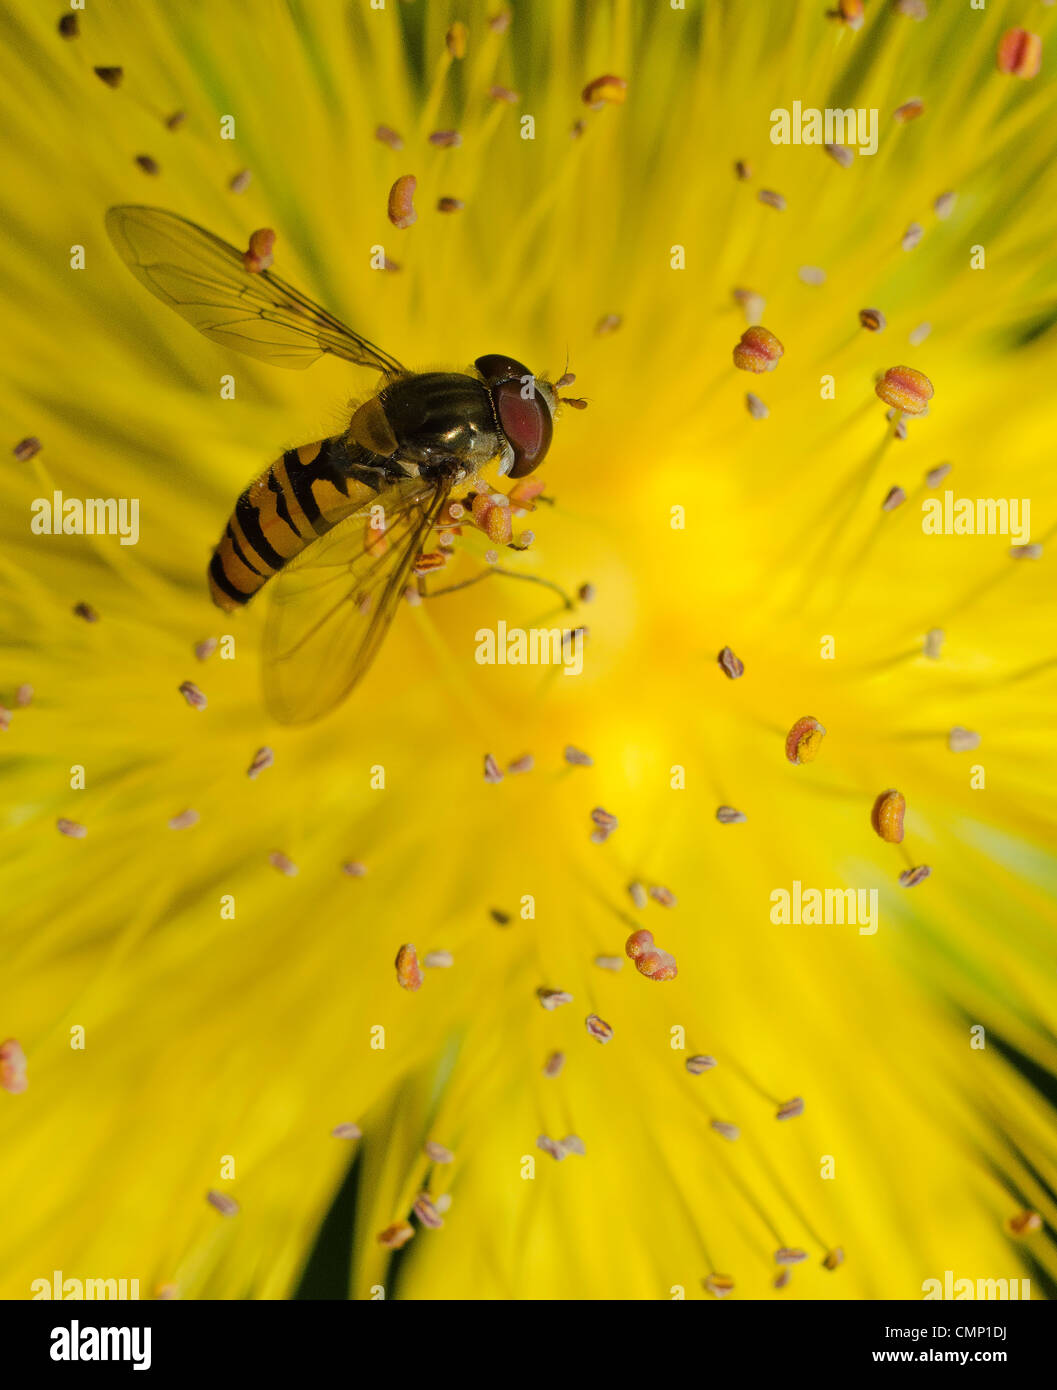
{"x": 524, "y": 406}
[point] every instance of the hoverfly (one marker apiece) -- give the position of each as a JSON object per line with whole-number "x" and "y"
{"x": 339, "y": 581}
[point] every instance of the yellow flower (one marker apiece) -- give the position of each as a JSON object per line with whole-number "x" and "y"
{"x": 197, "y": 1017}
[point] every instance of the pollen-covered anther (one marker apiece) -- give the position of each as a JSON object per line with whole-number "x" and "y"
{"x": 613, "y": 963}
{"x": 1019, "y": 53}
{"x": 426, "y": 1212}
{"x": 771, "y": 199}
{"x": 905, "y": 389}
{"x": 522, "y": 496}
{"x": 804, "y": 740}
{"x": 841, "y": 154}
{"x": 353, "y": 868}
{"x": 72, "y": 829}
{"x": 599, "y": 1029}
{"x": 438, "y": 960}
{"x": 396, "y": 1235}
{"x": 193, "y": 695}
{"x": 726, "y": 1129}
{"x": 944, "y": 205}
{"x": 961, "y": 740}
{"x": 699, "y": 1064}
{"x": 912, "y": 236}
{"x": 523, "y": 764}
{"x": 873, "y": 319}
{"x": 909, "y": 111}
{"x": 222, "y": 1202}
{"x": 238, "y": 183}
{"x": 148, "y": 164}
{"x": 402, "y": 212}
{"x": 1025, "y": 1223}
{"x": 730, "y": 815}
{"x": 498, "y": 93}
{"x": 731, "y": 665}
{"x": 649, "y": 959}
{"x": 718, "y": 1285}
{"x": 887, "y": 816}
{"x": 111, "y": 76}
{"x": 605, "y": 823}
{"x": 574, "y": 402}
{"x": 576, "y": 757}
{"x": 262, "y": 759}
{"x": 605, "y": 90}
{"x": 608, "y": 323}
{"x": 437, "y": 1153}
{"x": 552, "y": 999}
{"x": 450, "y": 204}
{"x": 347, "y": 1130}
{"x": 24, "y": 695}
{"x": 445, "y": 139}
{"x": 790, "y": 1109}
{"x": 184, "y": 821}
{"x": 26, "y": 448}
{"x": 910, "y": 878}
{"x": 664, "y": 897}
{"x": 851, "y": 13}
{"x": 13, "y": 1076}
{"x": 758, "y": 350}
{"x": 637, "y": 893}
{"x": 491, "y": 512}
{"x": 894, "y": 497}
{"x": 176, "y": 120}
{"x": 742, "y": 170}
{"x": 388, "y": 136}
{"x": 429, "y": 562}
{"x": 86, "y": 611}
{"x": 204, "y": 650}
{"x": 285, "y": 865}
{"x": 554, "y": 1064}
{"x": 408, "y": 971}
{"x": 757, "y": 409}
{"x": 492, "y": 771}
{"x": 833, "y": 1259}
{"x": 259, "y": 255}
{"x": 554, "y": 1147}
{"x": 456, "y": 39}
{"x": 789, "y": 1256}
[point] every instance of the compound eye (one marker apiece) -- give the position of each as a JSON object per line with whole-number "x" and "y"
{"x": 495, "y": 367}
{"x": 527, "y": 425}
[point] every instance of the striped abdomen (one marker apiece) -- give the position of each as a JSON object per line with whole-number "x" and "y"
{"x": 301, "y": 496}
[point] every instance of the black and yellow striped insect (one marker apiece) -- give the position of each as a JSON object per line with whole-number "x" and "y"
{"x": 404, "y": 450}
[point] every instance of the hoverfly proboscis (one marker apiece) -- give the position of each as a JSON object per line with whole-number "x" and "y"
{"x": 422, "y": 434}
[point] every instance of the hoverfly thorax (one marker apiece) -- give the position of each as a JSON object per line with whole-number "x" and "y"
{"x": 524, "y": 408}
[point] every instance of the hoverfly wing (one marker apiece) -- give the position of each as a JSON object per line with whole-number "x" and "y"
{"x": 205, "y": 281}
{"x": 331, "y": 607}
